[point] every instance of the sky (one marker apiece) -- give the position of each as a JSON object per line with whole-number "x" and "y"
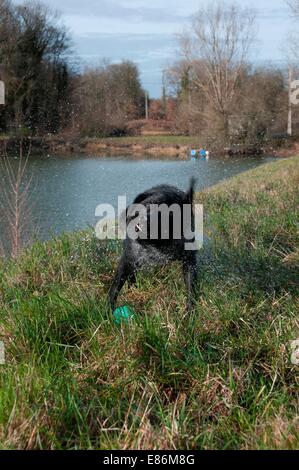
{"x": 146, "y": 32}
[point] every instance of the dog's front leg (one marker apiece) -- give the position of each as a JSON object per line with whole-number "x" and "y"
{"x": 122, "y": 274}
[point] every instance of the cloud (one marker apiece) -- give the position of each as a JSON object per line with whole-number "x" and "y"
{"x": 144, "y": 49}
{"x": 122, "y": 10}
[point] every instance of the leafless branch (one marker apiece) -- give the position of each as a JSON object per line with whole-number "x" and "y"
{"x": 218, "y": 49}
{"x": 14, "y": 201}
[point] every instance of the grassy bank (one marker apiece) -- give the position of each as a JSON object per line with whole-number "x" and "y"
{"x": 220, "y": 378}
{"x": 162, "y": 146}
{"x": 155, "y": 139}
{"x": 150, "y": 146}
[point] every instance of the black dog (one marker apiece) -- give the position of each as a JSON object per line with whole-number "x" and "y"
{"x": 146, "y": 250}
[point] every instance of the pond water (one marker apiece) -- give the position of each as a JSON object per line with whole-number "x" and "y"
{"x": 67, "y": 190}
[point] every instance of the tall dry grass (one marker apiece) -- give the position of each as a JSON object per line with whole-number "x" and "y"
{"x": 15, "y": 203}
{"x": 219, "y": 378}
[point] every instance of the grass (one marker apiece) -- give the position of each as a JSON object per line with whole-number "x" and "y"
{"x": 220, "y": 378}
{"x": 153, "y": 140}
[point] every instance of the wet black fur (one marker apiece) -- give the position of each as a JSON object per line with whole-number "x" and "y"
{"x": 144, "y": 253}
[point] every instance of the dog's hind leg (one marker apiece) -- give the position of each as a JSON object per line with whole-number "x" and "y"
{"x": 122, "y": 274}
{"x": 191, "y": 278}
{"x": 132, "y": 278}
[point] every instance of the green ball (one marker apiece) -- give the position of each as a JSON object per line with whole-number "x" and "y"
{"x": 123, "y": 314}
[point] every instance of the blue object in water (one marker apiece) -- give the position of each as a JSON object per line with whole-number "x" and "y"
{"x": 203, "y": 153}
{"x": 193, "y": 153}
{"x": 123, "y": 314}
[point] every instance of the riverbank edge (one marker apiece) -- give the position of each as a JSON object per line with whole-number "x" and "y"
{"x": 151, "y": 146}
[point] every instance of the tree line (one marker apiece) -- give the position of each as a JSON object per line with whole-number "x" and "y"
{"x": 219, "y": 93}
{"x": 212, "y": 91}
{"x": 45, "y": 94}
{"x": 34, "y": 67}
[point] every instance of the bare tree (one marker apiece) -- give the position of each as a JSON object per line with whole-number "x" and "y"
{"x": 14, "y": 202}
{"x": 293, "y": 37}
{"x": 218, "y": 48}
{"x": 294, "y": 5}
{"x": 107, "y": 98}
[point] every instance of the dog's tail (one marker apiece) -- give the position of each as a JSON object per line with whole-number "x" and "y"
{"x": 191, "y": 190}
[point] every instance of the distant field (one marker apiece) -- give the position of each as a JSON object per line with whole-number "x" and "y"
{"x": 155, "y": 139}
{"x": 142, "y": 139}
{"x": 221, "y": 378}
